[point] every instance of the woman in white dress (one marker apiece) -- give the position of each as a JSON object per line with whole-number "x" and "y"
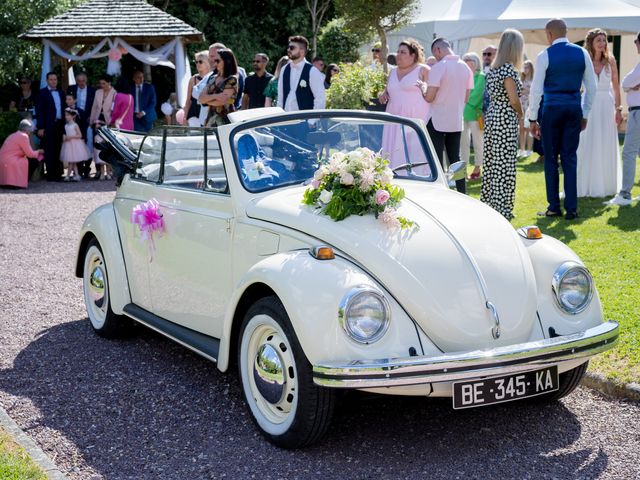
{"x": 599, "y": 169}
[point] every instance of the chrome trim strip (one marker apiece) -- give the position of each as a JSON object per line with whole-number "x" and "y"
{"x": 464, "y": 365}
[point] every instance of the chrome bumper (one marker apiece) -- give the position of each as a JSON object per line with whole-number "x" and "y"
{"x": 449, "y": 367}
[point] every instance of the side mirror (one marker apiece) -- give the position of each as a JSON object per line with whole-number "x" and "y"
{"x": 456, "y": 171}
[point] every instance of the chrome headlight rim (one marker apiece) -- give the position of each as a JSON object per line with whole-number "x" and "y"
{"x": 561, "y": 272}
{"x": 349, "y": 299}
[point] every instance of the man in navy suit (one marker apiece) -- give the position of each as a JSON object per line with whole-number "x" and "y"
{"x": 50, "y": 117}
{"x": 561, "y": 70}
{"x": 84, "y": 95}
{"x": 144, "y": 96}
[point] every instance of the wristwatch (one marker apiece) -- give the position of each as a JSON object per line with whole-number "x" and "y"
{"x": 533, "y": 121}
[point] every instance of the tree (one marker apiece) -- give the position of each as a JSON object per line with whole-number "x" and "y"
{"x": 339, "y": 44}
{"x": 381, "y": 15}
{"x": 18, "y": 57}
{"x": 317, "y": 9}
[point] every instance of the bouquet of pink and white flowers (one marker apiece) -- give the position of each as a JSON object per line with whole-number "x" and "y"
{"x": 356, "y": 183}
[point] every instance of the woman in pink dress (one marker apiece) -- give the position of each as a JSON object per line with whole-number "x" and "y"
{"x": 14, "y": 157}
{"x": 122, "y": 113}
{"x": 404, "y": 96}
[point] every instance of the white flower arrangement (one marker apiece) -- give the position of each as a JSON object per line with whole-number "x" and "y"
{"x": 303, "y": 84}
{"x": 356, "y": 183}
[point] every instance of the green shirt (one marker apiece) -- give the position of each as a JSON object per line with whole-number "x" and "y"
{"x": 473, "y": 108}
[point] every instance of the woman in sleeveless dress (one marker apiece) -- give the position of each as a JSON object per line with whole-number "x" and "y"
{"x": 599, "y": 170}
{"x": 222, "y": 89}
{"x": 404, "y": 96}
{"x": 501, "y": 126}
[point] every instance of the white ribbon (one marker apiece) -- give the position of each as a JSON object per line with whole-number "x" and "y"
{"x": 160, "y": 56}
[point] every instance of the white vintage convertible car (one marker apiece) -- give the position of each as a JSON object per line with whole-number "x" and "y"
{"x": 244, "y": 274}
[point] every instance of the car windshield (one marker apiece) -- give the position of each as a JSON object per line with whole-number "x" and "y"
{"x": 276, "y": 153}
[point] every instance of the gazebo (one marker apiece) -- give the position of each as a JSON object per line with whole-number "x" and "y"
{"x": 111, "y": 28}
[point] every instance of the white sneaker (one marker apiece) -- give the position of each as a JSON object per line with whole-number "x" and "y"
{"x": 618, "y": 200}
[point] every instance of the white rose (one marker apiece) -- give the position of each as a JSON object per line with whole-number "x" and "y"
{"x": 303, "y": 83}
{"x": 325, "y": 196}
{"x": 319, "y": 174}
{"x": 346, "y": 178}
{"x": 386, "y": 176}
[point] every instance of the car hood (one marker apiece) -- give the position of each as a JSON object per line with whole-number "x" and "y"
{"x": 463, "y": 254}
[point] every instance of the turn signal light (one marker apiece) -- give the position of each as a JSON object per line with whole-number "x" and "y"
{"x": 531, "y": 232}
{"x": 322, "y": 252}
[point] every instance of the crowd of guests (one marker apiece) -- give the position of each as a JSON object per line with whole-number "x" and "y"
{"x": 567, "y": 109}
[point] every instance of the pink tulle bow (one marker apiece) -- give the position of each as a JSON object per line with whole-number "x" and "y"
{"x": 148, "y": 217}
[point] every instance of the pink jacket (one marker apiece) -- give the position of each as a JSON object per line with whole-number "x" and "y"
{"x": 14, "y": 166}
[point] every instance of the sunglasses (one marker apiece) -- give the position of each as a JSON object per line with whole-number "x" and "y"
{"x": 257, "y": 61}
{"x": 335, "y": 70}
{"x": 291, "y": 47}
{"x": 217, "y": 60}
{"x": 376, "y": 50}
{"x": 199, "y": 61}
{"x": 487, "y": 54}
{"x": 24, "y": 82}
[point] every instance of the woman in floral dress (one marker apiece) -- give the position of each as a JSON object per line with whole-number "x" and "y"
{"x": 222, "y": 88}
{"x": 501, "y": 127}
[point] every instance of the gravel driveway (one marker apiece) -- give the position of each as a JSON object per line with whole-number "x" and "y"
{"x": 146, "y": 408}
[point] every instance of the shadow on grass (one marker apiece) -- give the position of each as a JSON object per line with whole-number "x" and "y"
{"x": 627, "y": 219}
{"x": 147, "y": 408}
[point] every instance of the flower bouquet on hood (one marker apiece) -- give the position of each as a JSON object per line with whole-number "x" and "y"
{"x": 357, "y": 183}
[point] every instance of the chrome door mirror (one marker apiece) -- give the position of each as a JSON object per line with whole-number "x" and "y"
{"x": 456, "y": 171}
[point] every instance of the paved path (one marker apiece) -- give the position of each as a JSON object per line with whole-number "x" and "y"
{"x": 146, "y": 408}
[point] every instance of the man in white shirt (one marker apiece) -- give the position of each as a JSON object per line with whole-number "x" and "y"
{"x": 300, "y": 87}
{"x": 561, "y": 70}
{"x": 631, "y": 85}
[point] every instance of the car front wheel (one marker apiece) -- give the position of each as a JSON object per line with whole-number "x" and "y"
{"x": 290, "y": 410}
{"x": 95, "y": 285}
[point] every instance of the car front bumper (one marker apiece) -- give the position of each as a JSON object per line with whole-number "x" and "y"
{"x": 449, "y": 367}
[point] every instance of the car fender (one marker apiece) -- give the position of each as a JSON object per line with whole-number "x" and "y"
{"x": 547, "y": 254}
{"x": 310, "y": 291}
{"x": 101, "y": 224}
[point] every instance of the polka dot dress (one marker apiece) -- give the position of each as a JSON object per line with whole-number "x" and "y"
{"x": 500, "y": 143}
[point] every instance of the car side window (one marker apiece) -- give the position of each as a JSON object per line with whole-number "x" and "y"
{"x": 149, "y": 155}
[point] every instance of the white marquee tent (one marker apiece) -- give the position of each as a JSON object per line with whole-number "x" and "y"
{"x": 462, "y": 20}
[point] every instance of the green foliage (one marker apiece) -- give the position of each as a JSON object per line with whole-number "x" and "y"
{"x": 8, "y": 124}
{"x": 15, "y": 464}
{"x": 355, "y": 86}
{"x": 20, "y": 56}
{"x": 389, "y": 15}
{"x": 336, "y": 43}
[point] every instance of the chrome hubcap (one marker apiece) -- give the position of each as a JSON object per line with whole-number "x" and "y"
{"x": 267, "y": 373}
{"x": 96, "y": 286}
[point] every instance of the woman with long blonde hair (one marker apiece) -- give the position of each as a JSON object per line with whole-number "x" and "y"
{"x": 501, "y": 126}
{"x": 599, "y": 171}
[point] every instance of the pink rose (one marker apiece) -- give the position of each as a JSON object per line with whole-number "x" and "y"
{"x": 382, "y": 196}
{"x": 315, "y": 184}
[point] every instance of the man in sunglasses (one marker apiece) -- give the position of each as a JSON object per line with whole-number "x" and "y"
{"x": 254, "y": 85}
{"x": 300, "y": 86}
{"x": 487, "y": 57}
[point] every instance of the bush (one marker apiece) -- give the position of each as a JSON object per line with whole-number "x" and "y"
{"x": 336, "y": 43}
{"x": 355, "y": 86}
{"x": 8, "y": 124}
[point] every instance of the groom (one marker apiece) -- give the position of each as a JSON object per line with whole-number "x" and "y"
{"x": 560, "y": 71}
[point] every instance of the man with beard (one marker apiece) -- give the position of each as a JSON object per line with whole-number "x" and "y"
{"x": 256, "y": 83}
{"x": 300, "y": 86}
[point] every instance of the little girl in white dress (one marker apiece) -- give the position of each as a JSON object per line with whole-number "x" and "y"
{"x": 74, "y": 150}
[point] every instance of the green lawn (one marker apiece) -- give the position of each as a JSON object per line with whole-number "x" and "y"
{"x": 607, "y": 238}
{"x": 15, "y": 464}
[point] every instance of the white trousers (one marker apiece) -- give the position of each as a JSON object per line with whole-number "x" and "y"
{"x": 471, "y": 131}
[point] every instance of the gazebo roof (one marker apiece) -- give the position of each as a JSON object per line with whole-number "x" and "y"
{"x": 136, "y": 21}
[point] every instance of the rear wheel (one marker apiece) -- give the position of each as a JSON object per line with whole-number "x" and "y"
{"x": 290, "y": 410}
{"x": 95, "y": 285}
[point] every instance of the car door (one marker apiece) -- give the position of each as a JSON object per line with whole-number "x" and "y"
{"x": 188, "y": 266}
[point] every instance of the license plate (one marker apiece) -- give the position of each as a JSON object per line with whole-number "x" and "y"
{"x": 476, "y": 393}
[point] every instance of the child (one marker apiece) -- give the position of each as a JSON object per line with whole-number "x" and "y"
{"x": 82, "y": 120}
{"x": 74, "y": 150}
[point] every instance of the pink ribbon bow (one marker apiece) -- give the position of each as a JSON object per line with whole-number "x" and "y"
{"x": 148, "y": 217}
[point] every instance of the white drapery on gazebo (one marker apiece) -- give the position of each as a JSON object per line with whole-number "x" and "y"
{"x": 110, "y": 28}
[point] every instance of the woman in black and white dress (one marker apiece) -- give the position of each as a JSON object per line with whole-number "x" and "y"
{"x": 501, "y": 125}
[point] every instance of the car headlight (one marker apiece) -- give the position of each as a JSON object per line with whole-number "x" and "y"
{"x": 573, "y": 287}
{"x": 364, "y": 315}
